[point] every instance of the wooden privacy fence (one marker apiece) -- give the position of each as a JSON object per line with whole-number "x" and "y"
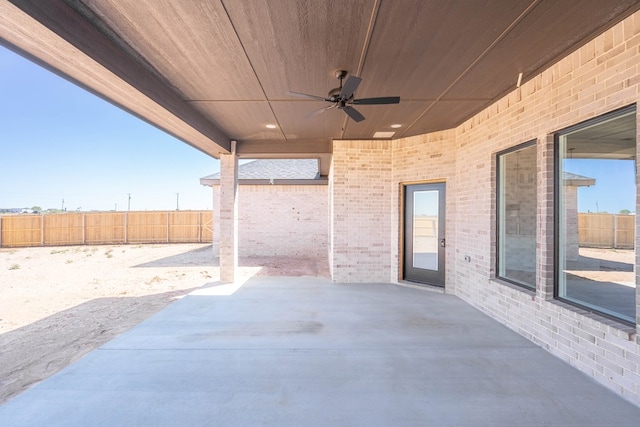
{"x": 606, "y": 230}
{"x": 92, "y": 228}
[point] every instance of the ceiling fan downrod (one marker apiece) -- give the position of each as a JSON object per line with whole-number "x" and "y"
{"x": 334, "y": 93}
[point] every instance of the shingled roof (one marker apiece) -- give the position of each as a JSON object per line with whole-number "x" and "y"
{"x": 577, "y": 180}
{"x": 274, "y": 171}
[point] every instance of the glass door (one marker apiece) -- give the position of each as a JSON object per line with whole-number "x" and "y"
{"x": 424, "y": 238}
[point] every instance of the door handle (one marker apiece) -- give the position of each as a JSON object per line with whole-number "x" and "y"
{"x": 442, "y": 243}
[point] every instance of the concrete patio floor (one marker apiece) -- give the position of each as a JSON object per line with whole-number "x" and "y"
{"x": 304, "y": 352}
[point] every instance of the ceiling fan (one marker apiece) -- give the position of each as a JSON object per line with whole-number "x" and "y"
{"x": 342, "y": 97}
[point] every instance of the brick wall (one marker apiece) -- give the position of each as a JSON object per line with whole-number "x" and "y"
{"x": 424, "y": 158}
{"x": 367, "y": 176}
{"x": 282, "y": 220}
{"x": 600, "y": 77}
{"x": 361, "y": 236}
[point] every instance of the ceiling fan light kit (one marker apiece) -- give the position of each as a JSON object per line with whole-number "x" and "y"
{"x": 342, "y": 97}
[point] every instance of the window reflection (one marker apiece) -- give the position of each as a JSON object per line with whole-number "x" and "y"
{"x": 596, "y": 215}
{"x": 517, "y": 213}
{"x": 425, "y": 230}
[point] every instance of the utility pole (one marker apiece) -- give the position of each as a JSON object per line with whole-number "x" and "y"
{"x": 177, "y": 201}
{"x": 62, "y": 205}
{"x": 129, "y": 202}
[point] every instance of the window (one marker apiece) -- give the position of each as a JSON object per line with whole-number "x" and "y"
{"x": 517, "y": 212}
{"x": 595, "y": 215}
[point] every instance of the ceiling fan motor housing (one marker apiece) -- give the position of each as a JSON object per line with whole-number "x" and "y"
{"x": 334, "y": 94}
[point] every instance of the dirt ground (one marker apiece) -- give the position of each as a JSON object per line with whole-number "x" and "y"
{"x": 611, "y": 265}
{"x": 59, "y": 303}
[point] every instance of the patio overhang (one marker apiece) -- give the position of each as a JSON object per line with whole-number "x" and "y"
{"x": 209, "y": 73}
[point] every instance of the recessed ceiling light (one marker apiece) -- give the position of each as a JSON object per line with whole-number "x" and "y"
{"x": 383, "y": 134}
{"x": 396, "y": 126}
{"x": 270, "y": 126}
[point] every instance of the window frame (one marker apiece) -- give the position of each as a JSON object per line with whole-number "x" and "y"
{"x": 521, "y": 146}
{"x": 556, "y": 206}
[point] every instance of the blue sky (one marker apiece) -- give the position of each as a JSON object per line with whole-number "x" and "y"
{"x": 59, "y": 142}
{"x": 615, "y": 187}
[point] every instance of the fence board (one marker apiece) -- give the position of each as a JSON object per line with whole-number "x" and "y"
{"x": 104, "y": 227}
{"x": 78, "y": 228}
{"x": 425, "y": 226}
{"x": 206, "y": 226}
{"x": 62, "y": 229}
{"x": 626, "y": 231}
{"x": 600, "y": 230}
{"x": 147, "y": 227}
{"x": 21, "y": 230}
{"x": 183, "y": 226}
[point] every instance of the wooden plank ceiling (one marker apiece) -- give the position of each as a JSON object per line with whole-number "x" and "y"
{"x": 223, "y": 68}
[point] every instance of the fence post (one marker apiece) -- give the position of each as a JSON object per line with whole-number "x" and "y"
{"x": 168, "y": 232}
{"x": 84, "y": 239}
{"x": 615, "y": 231}
{"x": 42, "y": 230}
{"x": 199, "y": 228}
{"x": 0, "y": 231}
{"x": 126, "y": 226}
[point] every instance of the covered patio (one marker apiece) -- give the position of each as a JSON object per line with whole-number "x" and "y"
{"x": 480, "y": 85}
{"x": 305, "y": 351}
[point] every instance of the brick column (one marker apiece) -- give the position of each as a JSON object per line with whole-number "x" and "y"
{"x": 545, "y": 247}
{"x": 228, "y": 216}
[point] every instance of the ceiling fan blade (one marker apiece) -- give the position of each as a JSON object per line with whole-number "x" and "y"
{"x": 304, "y": 95}
{"x": 353, "y": 113}
{"x": 350, "y": 87}
{"x": 374, "y": 101}
{"x": 318, "y": 112}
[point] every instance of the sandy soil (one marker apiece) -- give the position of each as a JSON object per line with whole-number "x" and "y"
{"x": 605, "y": 265}
{"x": 59, "y": 303}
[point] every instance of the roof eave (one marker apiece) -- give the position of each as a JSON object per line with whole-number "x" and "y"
{"x": 318, "y": 181}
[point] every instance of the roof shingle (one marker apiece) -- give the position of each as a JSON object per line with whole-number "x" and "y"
{"x": 275, "y": 169}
